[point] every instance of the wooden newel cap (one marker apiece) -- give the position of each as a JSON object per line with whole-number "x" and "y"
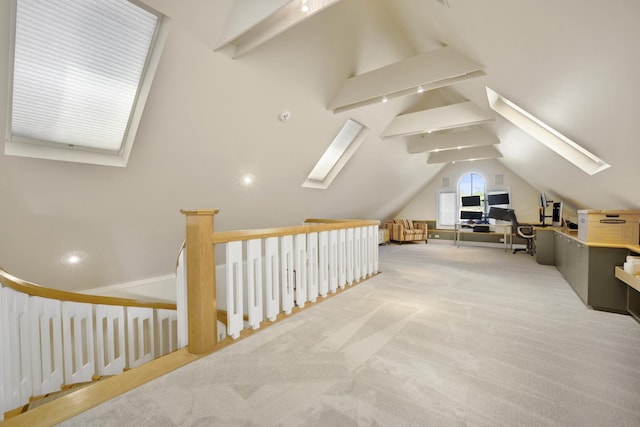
{"x": 199, "y": 211}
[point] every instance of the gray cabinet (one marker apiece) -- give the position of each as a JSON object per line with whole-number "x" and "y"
{"x": 579, "y": 279}
{"x": 588, "y": 269}
{"x": 545, "y": 246}
{"x": 605, "y": 292}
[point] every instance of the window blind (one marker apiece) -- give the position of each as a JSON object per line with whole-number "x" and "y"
{"x": 77, "y": 68}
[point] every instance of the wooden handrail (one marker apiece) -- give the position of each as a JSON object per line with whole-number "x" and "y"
{"x": 40, "y": 291}
{"x": 333, "y": 220}
{"x": 318, "y": 225}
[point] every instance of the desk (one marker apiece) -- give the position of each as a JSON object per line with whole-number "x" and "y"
{"x": 507, "y": 236}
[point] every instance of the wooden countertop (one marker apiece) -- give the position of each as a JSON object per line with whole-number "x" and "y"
{"x": 573, "y": 234}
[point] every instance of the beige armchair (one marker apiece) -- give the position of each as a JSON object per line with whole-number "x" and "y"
{"x": 404, "y": 230}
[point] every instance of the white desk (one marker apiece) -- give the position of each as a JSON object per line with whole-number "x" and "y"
{"x": 506, "y": 232}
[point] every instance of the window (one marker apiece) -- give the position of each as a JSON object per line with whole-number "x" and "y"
{"x": 81, "y": 74}
{"x": 447, "y": 214}
{"x": 545, "y": 134}
{"x": 471, "y": 192}
{"x": 343, "y": 146}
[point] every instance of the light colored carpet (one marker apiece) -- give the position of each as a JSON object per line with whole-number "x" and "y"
{"x": 445, "y": 336}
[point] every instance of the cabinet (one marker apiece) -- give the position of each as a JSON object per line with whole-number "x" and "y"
{"x": 588, "y": 271}
{"x": 632, "y": 283}
{"x": 545, "y": 246}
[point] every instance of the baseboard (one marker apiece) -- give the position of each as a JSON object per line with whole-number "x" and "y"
{"x": 472, "y": 243}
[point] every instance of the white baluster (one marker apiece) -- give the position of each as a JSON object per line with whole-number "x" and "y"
{"x": 272, "y": 260}
{"x": 333, "y": 260}
{"x": 357, "y": 254}
{"x": 254, "y": 282}
{"x": 140, "y": 335}
{"x": 110, "y": 339}
{"x": 364, "y": 242}
{"x": 372, "y": 244}
{"x": 16, "y": 347}
{"x": 235, "y": 284}
{"x": 323, "y": 263}
{"x": 312, "y": 267}
{"x": 78, "y": 342}
{"x": 166, "y": 328}
{"x": 350, "y": 261}
{"x": 342, "y": 258}
{"x": 375, "y": 247}
{"x": 286, "y": 258}
{"x": 4, "y": 373}
{"x": 46, "y": 344}
{"x": 181, "y": 300}
{"x": 300, "y": 267}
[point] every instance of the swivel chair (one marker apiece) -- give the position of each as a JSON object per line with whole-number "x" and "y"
{"x": 523, "y": 230}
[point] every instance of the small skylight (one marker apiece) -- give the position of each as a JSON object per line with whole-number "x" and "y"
{"x": 336, "y": 156}
{"x": 81, "y": 74}
{"x": 545, "y": 134}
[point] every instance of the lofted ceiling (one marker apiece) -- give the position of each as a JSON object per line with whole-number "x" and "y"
{"x": 226, "y": 75}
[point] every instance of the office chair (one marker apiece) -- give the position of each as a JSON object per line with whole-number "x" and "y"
{"x": 523, "y": 230}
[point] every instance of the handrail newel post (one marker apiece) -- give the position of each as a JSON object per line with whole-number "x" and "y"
{"x": 201, "y": 281}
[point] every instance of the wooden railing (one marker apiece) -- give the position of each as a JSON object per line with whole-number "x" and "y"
{"x": 265, "y": 272}
{"x": 50, "y": 339}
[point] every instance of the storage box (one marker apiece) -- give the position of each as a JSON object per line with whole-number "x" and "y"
{"x": 609, "y": 226}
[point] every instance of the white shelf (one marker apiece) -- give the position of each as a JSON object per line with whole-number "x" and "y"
{"x": 629, "y": 279}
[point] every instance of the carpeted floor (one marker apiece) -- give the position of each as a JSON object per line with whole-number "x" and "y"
{"x": 445, "y": 336}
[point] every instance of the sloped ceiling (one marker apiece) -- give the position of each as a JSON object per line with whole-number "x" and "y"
{"x": 211, "y": 118}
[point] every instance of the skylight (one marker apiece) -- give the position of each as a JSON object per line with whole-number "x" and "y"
{"x": 81, "y": 74}
{"x": 545, "y": 134}
{"x": 336, "y": 155}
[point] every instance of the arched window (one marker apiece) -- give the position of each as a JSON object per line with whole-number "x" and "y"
{"x": 471, "y": 192}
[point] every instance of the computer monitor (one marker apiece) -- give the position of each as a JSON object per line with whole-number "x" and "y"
{"x": 556, "y": 216}
{"x": 475, "y": 215}
{"x": 498, "y": 199}
{"x": 543, "y": 200}
{"x": 471, "y": 201}
{"x": 499, "y": 213}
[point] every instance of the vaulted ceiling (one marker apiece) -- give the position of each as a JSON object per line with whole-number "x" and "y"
{"x": 213, "y": 115}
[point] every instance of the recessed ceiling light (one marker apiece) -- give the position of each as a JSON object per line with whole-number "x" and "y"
{"x": 72, "y": 258}
{"x": 384, "y": 99}
{"x": 305, "y": 6}
{"x": 420, "y": 89}
{"x": 247, "y": 179}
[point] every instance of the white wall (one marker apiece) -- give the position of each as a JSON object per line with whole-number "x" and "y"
{"x": 524, "y": 198}
{"x": 153, "y": 289}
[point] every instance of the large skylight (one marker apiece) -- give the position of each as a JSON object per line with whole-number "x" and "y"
{"x": 571, "y": 151}
{"x": 336, "y": 155}
{"x": 81, "y": 74}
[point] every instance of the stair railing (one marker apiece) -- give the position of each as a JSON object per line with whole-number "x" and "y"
{"x": 50, "y": 339}
{"x": 257, "y": 276}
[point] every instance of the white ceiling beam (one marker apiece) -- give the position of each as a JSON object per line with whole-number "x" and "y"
{"x": 254, "y": 22}
{"x": 437, "y": 119}
{"x": 464, "y": 154}
{"x": 245, "y": 15}
{"x": 430, "y": 70}
{"x": 425, "y": 143}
